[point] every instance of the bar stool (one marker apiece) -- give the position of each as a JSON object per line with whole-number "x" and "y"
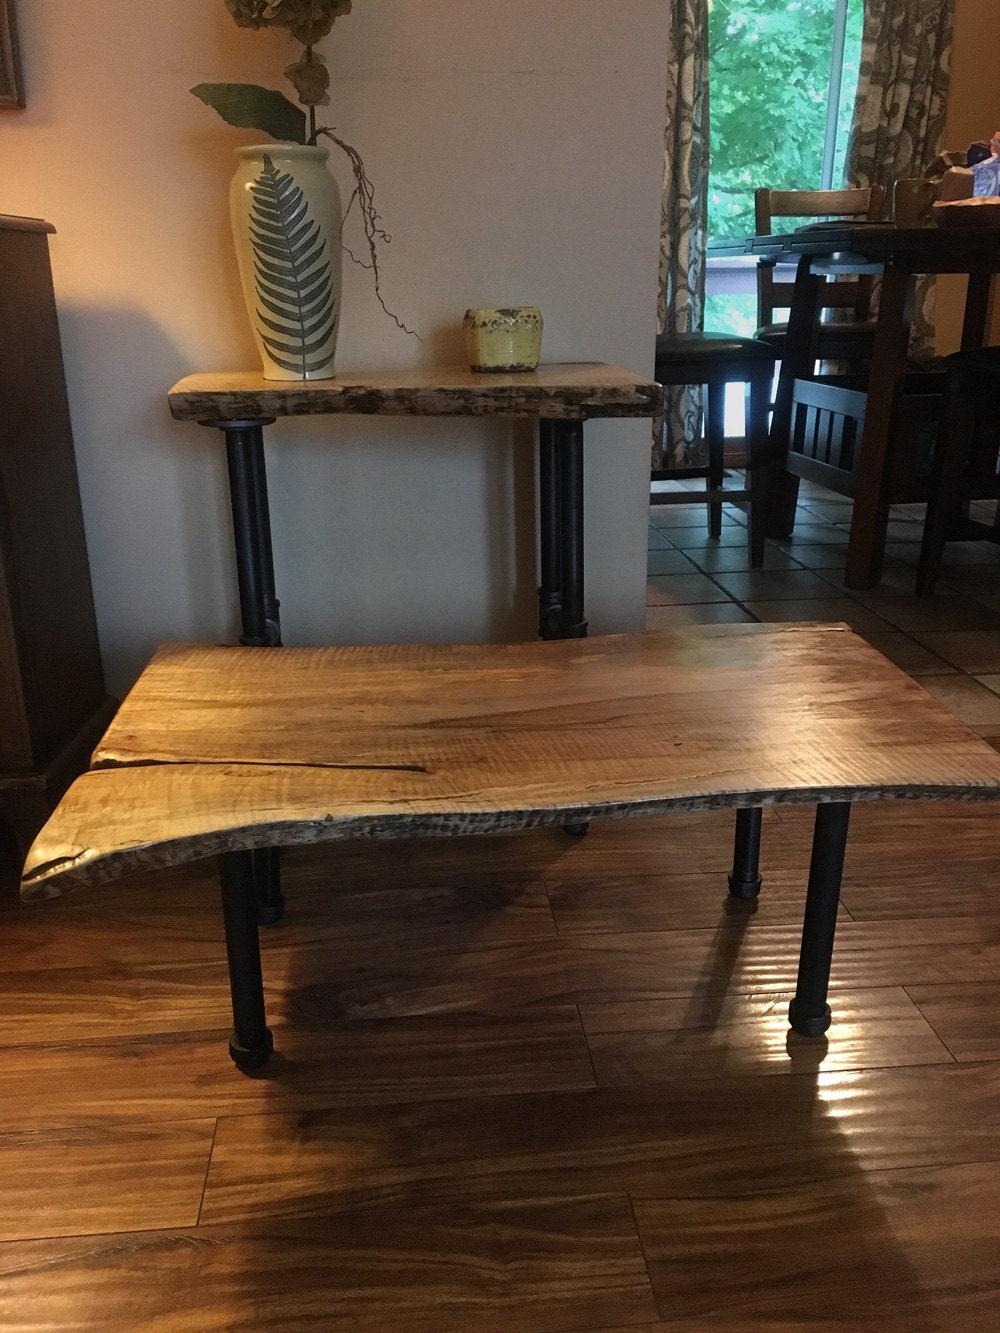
{"x": 965, "y": 460}
{"x": 715, "y": 360}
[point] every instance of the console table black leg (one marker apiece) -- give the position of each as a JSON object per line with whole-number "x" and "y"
{"x": 262, "y": 526}
{"x": 560, "y": 539}
{"x": 744, "y": 879}
{"x": 261, "y": 627}
{"x": 267, "y": 879}
{"x": 251, "y": 1042}
{"x": 809, "y": 1013}
{"x": 568, "y": 441}
{"x": 251, "y": 531}
{"x": 549, "y": 526}
{"x": 569, "y": 452}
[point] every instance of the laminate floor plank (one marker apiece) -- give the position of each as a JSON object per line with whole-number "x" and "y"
{"x": 912, "y": 1250}
{"x": 461, "y": 909}
{"x": 79, "y": 933}
{"x": 102, "y": 1178}
{"x": 685, "y": 899}
{"x": 739, "y": 957}
{"x": 966, "y": 1017}
{"x": 639, "y": 1043}
{"x": 325, "y": 984}
{"x": 537, "y": 1266}
{"x": 186, "y": 1076}
{"x": 683, "y": 1138}
{"x": 74, "y": 1004}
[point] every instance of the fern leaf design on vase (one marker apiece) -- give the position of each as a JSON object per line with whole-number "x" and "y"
{"x": 296, "y": 305}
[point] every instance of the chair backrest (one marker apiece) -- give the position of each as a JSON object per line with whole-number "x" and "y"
{"x": 867, "y": 203}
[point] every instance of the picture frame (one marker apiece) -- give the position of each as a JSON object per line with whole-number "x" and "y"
{"x": 11, "y": 83}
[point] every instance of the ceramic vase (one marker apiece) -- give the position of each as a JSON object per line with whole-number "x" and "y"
{"x": 286, "y": 216}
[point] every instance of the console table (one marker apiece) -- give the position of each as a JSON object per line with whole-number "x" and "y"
{"x": 559, "y": 397}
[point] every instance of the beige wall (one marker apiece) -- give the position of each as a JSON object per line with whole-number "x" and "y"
{"x": 516, "y": 154}
{"x": 973, "y": 113}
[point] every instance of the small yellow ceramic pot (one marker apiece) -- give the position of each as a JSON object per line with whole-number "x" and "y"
{"x": 499, "y": 338}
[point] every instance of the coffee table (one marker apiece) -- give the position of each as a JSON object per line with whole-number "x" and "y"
{"x": 218, "y": 752}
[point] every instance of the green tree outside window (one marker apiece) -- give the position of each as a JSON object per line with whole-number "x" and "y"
{"x": 770, "y": 77}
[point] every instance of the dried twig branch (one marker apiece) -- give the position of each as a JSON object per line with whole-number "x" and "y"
{"x": 364, "y": 193}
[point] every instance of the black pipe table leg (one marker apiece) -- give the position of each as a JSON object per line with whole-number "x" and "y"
{"x": 262, "y": 526}
{"x": 261, "y": 626}
{"x": 744, "y": 879}
{"x": 809, "y": 1013}
{"x": 267, "y": 879}
{"x": 251, "y": 1042}
{"x": 251, "y": 531}
{"x": 572, "y": 622}
{"x": 549, "y": 571}
{"x": 569, "y": 451}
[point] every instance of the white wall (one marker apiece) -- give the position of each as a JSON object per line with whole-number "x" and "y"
{"x": 516, "y": 154}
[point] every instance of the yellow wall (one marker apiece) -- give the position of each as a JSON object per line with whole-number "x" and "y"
{"x": 516, "y": 151}
{"x": 973, "y": 113}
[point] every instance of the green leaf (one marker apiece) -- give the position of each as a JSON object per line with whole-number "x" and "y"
{"x": 293, "y": 281}
{"x": 251, "y": 107}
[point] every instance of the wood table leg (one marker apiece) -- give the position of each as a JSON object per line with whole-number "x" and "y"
{"x": 976, "y": 319}
{"x": 809, "y": 1013}
{"x": 797, "y": 362}
{"x": 251, "y": 1043}
{"x": 950, "y": 458}
{"x": 869, "y": 521}
{"x": 758, "y": 462}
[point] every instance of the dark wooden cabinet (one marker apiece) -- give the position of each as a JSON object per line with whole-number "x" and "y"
{"x": 53, "y": 704}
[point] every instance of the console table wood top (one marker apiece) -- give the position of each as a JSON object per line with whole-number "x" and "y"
{"x": 573, "y": 391}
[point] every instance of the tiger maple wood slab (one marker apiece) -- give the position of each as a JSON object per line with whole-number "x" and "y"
{"x": 218, "y": 749}
{"x": 569, "y": 392}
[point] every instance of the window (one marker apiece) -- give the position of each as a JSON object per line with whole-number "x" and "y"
{"x": 782, "y": 78}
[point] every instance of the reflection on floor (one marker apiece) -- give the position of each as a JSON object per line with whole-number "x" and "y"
{"x": 949, "y": 642}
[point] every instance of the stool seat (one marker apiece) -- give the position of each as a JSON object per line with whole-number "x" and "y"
{"x": 715, "y": 360}
{"x": 719, "y": 349}
{"x": 978, "y": 360}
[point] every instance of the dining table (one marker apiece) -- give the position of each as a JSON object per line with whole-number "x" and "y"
{"x": 897, "y": 255}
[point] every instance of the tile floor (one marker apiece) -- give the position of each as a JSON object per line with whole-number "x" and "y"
{"x": 950, "y": 642}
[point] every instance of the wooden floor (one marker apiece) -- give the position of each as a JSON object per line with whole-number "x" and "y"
{"x": 522, "y": 1083}
{"x": 537, "y": 1084}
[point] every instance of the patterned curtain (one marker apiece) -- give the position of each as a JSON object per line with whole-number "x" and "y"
{"x": 683, "y": 217}
{"x": 899, "y": 112}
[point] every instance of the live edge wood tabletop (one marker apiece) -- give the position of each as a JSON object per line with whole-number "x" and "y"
{"x": 221, "y": 751}
{"x": 567, "y": 391}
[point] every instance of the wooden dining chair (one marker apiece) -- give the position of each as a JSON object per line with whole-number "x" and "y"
{"x": 715, "y": 360}
{"x": 840, "y": 340}
{"x": 966, "y": 461}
